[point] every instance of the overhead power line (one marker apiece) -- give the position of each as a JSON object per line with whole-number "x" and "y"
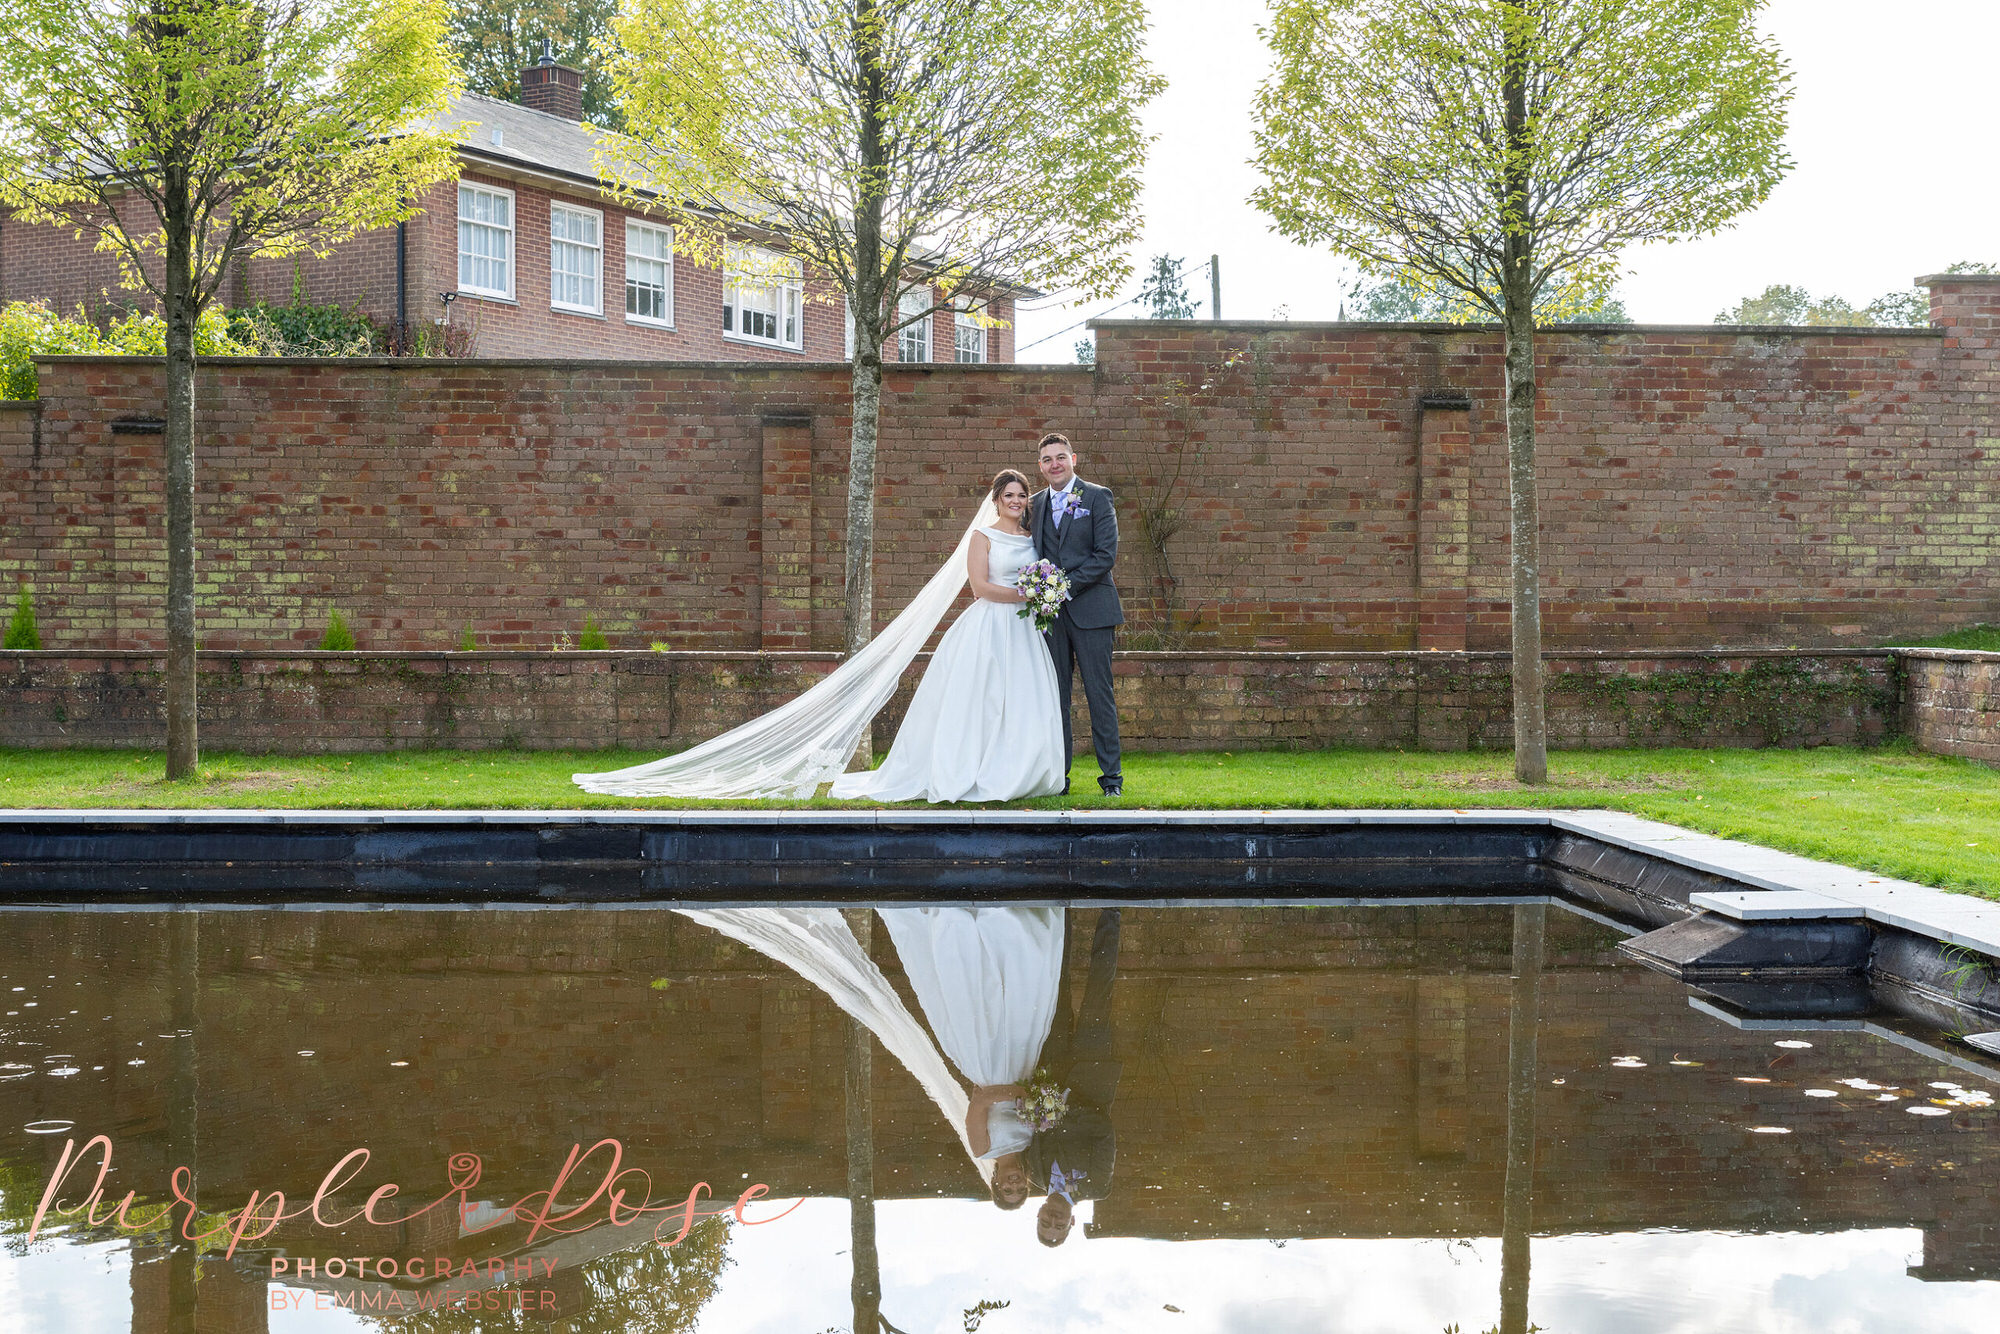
{"x": 1095, "y": 315}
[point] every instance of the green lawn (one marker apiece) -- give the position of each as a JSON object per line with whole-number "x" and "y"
{"x": 1972, "y": 636}
{"x": 1919, "y": 817}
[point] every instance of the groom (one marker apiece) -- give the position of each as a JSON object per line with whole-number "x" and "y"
{"x": 1074, "y": 1160}
{"x": 1076, "y": 528}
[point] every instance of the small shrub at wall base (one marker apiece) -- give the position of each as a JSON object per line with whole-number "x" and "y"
{"x": 466, "y": 643}
{"x": 21, "y": 630}
{"x": 592, "y": 638}
{"x": 338, "y": 637}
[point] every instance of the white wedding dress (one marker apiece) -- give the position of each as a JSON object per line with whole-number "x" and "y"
{"x": 983, "y": 727}
{"x": 986, "y": 980}
{"x": 985, "y": 723}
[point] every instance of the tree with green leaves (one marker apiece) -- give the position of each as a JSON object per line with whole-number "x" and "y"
{"x": 1164, "y": 293}
{"x": 651, "y": 1287}
{"x": 920, "y": 152}
{"x": 1387, "y": 301}
{"x": 1790, "y": 305}
{"x": 1504, "y": 153}
{"x": 184, "y": 135}
{"x": 497, "y": 39}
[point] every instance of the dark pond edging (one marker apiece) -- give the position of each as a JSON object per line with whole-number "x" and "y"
{"x": 1909, "y": 951}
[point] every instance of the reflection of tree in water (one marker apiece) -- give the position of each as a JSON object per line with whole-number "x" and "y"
{"x": 646, "y": 1290}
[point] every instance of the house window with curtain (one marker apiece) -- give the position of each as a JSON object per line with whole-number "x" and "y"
{"x": 763, "y": 296}
{"x": 576, "y": 259}
{"x": 913, "y": 341}
{"x": 968, "y": 333}
{"x": 649, "y": 274}
{"x": 486, "y": 241}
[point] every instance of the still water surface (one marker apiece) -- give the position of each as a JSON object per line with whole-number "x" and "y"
{"x": 1362, "y": 1119}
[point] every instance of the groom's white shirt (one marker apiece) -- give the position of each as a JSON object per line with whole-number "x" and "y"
{"x": 1055, "y": 514}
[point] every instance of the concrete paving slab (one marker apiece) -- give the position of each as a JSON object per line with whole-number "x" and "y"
{"x": 1774, "y": 905}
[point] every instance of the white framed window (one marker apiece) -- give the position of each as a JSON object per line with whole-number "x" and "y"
{"x": 913, "y": 341}
{"x": 763, "y": 295}
{"x": 486, "y": 241}
{"x": 576, "y": 259}
{"x": 967, "y": 333}
{"x": 649, "y": 274}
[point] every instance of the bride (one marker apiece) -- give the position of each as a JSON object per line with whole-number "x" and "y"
{"x": 987, "y": 979}
{"x": 986, "y": 723}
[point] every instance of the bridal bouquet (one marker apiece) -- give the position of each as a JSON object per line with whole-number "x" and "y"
{"x": 1047, "y": 588}
{"x": 1044, "y": 1105}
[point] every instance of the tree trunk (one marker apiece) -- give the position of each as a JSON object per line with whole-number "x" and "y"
{"x": 1531, "y": 741}
{"x": 1517, "y": 1197}
{"x": 866, "y": 300}
{"x": 859, "y": 622}
{"x": 182, "y": 745}
{"x": 865, "y": 1287}
{"x": 183, "y": 1115}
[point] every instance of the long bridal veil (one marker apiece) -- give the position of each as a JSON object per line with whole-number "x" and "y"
{"x": 791, "y": 750}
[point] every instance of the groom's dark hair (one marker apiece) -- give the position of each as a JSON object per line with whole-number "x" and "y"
{"x": 1055, "y": 438}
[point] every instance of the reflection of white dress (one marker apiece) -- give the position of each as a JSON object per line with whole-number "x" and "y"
{"x": 986, "y": 979}
{"x": 984, "y": 724}
{"x": 816, "y": 944}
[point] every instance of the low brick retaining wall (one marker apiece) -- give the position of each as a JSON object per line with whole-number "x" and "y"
{"x": 1951, "y": 701}
{"x": 306, "y": 702}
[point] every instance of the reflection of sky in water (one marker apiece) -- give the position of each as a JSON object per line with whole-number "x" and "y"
{"x": 1314, "y": 1069}
{"x": 62, "y": 1288}
{"x": 941, "y": 1257}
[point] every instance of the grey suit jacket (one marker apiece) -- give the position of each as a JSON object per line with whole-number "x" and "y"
{"x": 1085, "y": 548}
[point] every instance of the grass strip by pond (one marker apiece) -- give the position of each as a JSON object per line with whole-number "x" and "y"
{"x": 1919, "y": 817}
{"x": 1982, "y": 636}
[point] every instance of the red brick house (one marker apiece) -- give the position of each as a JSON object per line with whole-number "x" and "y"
{"x": 529, "y": 249}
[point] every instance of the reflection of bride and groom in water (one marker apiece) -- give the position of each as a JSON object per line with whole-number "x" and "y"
{"x": 994, "y": 986}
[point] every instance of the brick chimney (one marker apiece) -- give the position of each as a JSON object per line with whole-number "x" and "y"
{"x": 556, "y": 89}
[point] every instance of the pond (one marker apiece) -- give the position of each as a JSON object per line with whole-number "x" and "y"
{"x": 1460, "y": 1115}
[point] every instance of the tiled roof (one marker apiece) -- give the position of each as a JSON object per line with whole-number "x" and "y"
{"x": 534, "y": 140}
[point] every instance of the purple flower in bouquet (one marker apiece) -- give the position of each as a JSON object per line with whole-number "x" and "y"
{"x": 1045, "y": 588}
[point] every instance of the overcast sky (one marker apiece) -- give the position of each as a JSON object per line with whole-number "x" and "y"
{"x": 1892, "y": 131}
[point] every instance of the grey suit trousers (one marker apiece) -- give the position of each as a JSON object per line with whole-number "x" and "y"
{"x": 1088, "y": 653}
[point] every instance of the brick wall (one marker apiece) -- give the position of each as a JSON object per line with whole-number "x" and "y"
{"x": 1951, "y": 701}
{"x": 317, "y": 702}
{"x": 1295, "y": 487}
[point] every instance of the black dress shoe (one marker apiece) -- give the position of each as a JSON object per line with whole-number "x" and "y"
{"x": 1065, "y": 790}
{"x": 1114, "y": 788}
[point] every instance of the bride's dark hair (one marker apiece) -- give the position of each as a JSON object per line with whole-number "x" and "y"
{"x": 1001, "y": 480}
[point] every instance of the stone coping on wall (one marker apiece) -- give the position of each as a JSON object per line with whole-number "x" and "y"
{"x": 1947, "y": 654}
{"x": 1137, "y": 655}
{"x": 1488, "y": 327}
{"x": 571, "y": 363}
